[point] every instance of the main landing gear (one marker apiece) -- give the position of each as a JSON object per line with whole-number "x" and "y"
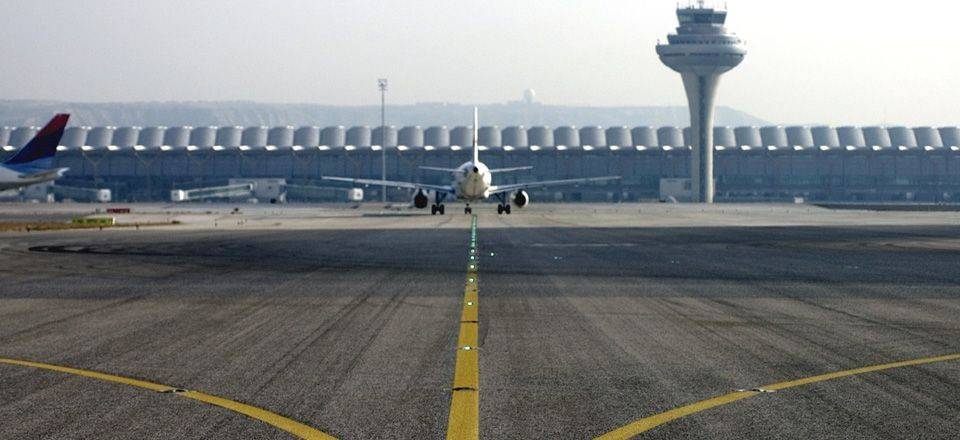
{"x": 504, "y": 206}
{"x": 437, "y": 207}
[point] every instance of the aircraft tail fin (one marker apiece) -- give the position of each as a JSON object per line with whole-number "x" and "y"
{"x": 476, "y": 135}
{"x": 44, "y": 145}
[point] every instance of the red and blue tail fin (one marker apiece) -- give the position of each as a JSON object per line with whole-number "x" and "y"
{"x": 44, "y": 145}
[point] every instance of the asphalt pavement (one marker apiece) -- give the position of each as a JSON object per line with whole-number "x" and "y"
{"x": 588, "y": 323}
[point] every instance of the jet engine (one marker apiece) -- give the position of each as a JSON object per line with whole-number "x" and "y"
{"x": 521, "y": 199}
{"x": 421, "y": 200}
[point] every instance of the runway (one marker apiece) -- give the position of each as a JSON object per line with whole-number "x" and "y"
{"x": 591, "y": 319}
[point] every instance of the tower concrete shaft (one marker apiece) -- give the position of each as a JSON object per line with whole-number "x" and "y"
{"x": 701, "y": 96}
{"x": 701, "y": 51}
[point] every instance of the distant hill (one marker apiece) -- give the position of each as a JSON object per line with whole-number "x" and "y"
{"x": 18, "y": 113}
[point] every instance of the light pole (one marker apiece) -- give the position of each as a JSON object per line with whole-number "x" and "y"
{"x": 382, "y": 83}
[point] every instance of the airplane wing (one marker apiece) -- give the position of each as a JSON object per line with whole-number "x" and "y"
{"x": 517, "y": 186}
{"x": 510, "y": 170}
{"x": 404, "y": 185}
{"x": 444, "y": 170}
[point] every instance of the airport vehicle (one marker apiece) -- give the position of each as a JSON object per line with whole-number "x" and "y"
{"x": 472, "y": 182}
{"x": 33, "y": 163}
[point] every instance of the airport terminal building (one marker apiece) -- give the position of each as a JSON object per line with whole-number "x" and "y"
{"x": 774, "y": 163}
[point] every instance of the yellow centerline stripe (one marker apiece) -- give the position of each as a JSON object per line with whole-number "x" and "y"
{"x": 464, "y": 421}
{"x": 291, "y": 426}
{"x": 645, "y": 424}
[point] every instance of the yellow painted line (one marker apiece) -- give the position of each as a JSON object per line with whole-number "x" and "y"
{"x": 470, "y": 314}
{"x": 645, "y": 424}
{"x": 467, "y": 373}
{"x": 291, "y": 426}
{"x": 468, "y": 335}
{"x": 92, "y": 374}
{"x": 464, "y": 415}
{"x": 464, "y": 421}
{"x": 875, "y": 368}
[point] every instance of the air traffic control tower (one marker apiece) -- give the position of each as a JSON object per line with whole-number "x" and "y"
{"x": 701, "y": 51}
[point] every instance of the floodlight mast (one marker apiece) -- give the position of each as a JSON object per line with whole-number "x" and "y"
{"x": 382, "y": 84}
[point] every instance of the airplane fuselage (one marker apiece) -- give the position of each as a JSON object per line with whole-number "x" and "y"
{"x": 472, "y": 181}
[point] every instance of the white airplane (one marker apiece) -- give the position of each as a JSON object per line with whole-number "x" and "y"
{"x": 34, "y": 162}
{"x": 472, "y": 182}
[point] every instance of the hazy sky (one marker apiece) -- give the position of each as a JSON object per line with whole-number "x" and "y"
{"x": 810, "y": 61}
